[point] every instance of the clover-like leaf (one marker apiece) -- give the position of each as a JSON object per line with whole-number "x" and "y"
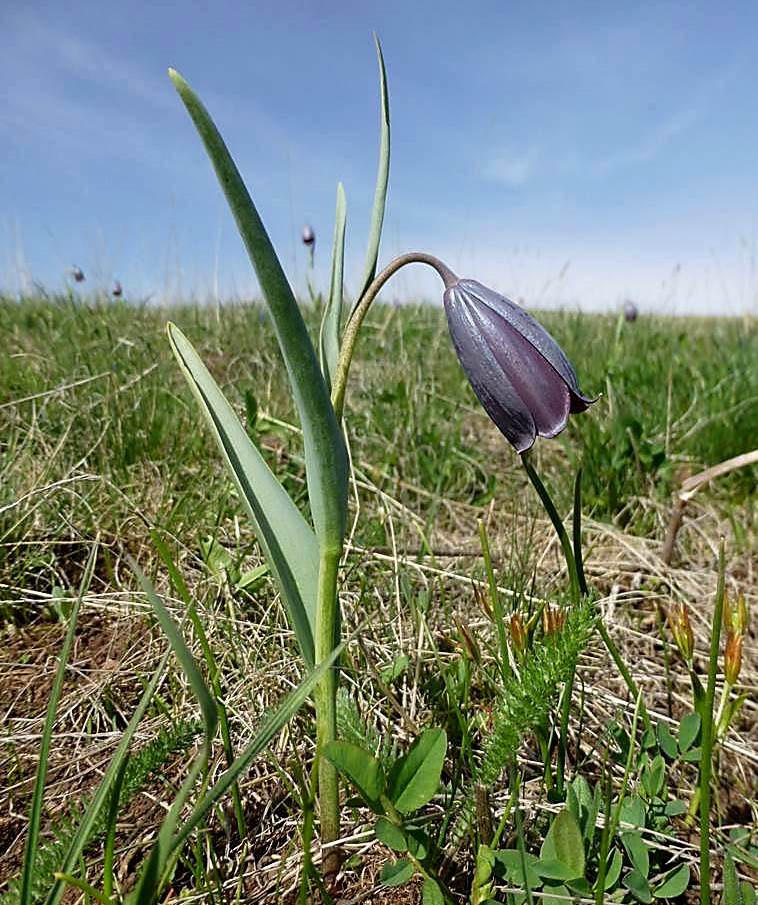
{"x": 415, "y": 778}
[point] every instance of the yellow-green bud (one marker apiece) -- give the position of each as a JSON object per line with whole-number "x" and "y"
{"x": 679, "y": 622}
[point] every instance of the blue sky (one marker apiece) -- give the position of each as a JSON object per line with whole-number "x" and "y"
{"x": 566, "y": 154}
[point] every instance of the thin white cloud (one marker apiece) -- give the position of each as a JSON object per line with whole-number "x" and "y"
{"x": 650, "y": 146}
{"x": 511, "y": 169}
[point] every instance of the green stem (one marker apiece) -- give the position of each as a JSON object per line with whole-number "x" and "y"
{"x": 577, "y": 533}
{"x": 560, "y": 528}
{"x": 497, "y": 605}
{"x": 568, "y": 690}
{"x": 634, "y": 690}
{"x": 352, "y": 329}
{"x": 704, "y": 784}
{"x": 327, "y": 628}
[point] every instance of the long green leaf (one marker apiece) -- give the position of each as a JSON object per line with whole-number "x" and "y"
{"x": 183, "y": 655}
{"x": 382, "y": 179}
{"x": 160, "y": 855}
{"x": 86, "y": 824}
{"x": 288, "y": 542}
{"x": 35, "y": 815}
{"x": 146, "y": 895}
{"x": 325, "y": 453}
{"x": 329, "y": 337}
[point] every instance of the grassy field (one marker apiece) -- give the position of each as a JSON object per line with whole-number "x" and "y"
{"x": 102, "y": 447}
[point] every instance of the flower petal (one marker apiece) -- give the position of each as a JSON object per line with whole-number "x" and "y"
{"x": 534, "y": 332}
{"x": 518, "y": 371}
{"x": 542, "y": 389}
{"x": 491, "y": 384}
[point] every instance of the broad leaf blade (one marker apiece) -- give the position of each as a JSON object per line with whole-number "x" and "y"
{"x": 360, "y": 767}
{"x": 565, "y": 845}
{"x": 288, "y": 542}
{"x": 416, "y": 777}
{"x": 382, "y": 179}
{"x": 325, "y": 453}
{"x": 329, "y": 338}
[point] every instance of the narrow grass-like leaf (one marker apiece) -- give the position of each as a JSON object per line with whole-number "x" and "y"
{"x": 732, "y": 892}
{"x": 32, "y": 836}
{"x": 88, "y": 821}
{"x": 183, "y": 655}
{"x": 160, "y": 857}
{"x": 325, "y": 453}
{"x": 110, "y": 837}
{"x": 268, "y": 730}
{"x": 210, "y": 661}
{"x": 382, "y": 179}
{"x": 329, "y": 336}
{"x": 288, "y": 542}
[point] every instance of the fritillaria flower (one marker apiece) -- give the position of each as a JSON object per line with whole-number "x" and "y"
{"x": 78, "y": 274}
{"x": 308, "y": 236}
{"x": 117, "y": 291}
{"x": 630, "y": 312}
{"x": 518, "y": 371}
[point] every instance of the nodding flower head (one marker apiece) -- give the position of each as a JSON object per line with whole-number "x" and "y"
{"x": 78, "y": 274}
{"x": 117, "y": 291}
{"x": 308, "y": 236}
{"x": 518, "y": 371}
{"x": 630, "y": 311}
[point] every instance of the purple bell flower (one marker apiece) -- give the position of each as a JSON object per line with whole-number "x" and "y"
{"x": 630, "y": 311}
{"x": 308, "y": 236}
{"x": 117, "y": 290}
{"x": 78, "y": 274}
{"x": 518, "y": 371}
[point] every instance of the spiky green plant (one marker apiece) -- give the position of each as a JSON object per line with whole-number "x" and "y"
{"x": 525, "y": 702}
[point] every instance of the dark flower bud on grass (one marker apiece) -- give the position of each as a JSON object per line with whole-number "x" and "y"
{"x": 630, "y": 311}
{"x": 518, "y": 371}
{"x": 117, "y": 291}
{"x": 308, "y": 236}
{"x": 78, "y": 274}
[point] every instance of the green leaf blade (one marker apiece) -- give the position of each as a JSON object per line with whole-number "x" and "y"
{"x": 416, "y": 777}
{"x": 329, "y": 336}
{"x": 397, "y": 873}
{"x": 674, "y": 883}
{"x": 564, "y": 844}
{"x": 382, "y": 179}
{"x": 288, "y": 542}
{"x": 325, "y": 453}
{"x": 361, "y": 768}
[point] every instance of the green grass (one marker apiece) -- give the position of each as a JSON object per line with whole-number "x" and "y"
{"x": 99, "y": 436}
